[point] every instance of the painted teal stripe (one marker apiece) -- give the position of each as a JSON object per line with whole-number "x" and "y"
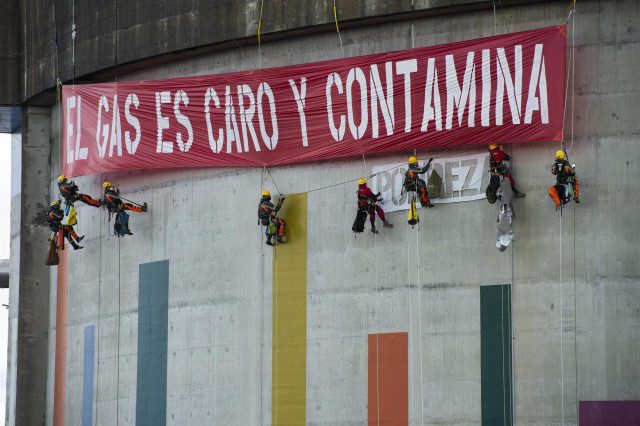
{"x": 153, "y": 321}
{"x": 495, "y": 326}
{"x": 87, "y": 377}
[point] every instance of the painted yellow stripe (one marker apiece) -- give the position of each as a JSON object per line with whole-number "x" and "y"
{"x": 289, "y": 345}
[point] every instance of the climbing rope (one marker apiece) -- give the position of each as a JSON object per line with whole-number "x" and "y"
{"x": 411, "y": 404}
{"x": 495, "y": 30}
{"x": 335, "y": 16}
{"x": 413, "y": 42}
{"x": 259, "y": 29}
{"x": 420, "y": 328}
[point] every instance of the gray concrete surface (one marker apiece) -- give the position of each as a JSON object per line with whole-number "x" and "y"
{"x": 575, "y": 282}
{"x": 33, "y": 276}
{"x": 143, "y": 33}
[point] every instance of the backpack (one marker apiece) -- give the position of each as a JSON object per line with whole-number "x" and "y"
{"x": 358, "y": 224}
{"x": 121, "y": 224}
{"x": 262, "y": 212}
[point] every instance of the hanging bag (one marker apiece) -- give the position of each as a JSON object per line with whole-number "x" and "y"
{"x": 52, "y": 255}
{"x": 358, "y": 224}
{"x": 554, "y": 196}
{"x": 412, "y": 217}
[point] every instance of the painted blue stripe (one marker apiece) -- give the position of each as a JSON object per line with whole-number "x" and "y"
{"x": 153, "y": 324}
{"x": 87, "y": 378}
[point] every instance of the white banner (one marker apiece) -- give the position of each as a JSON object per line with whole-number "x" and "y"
{"x": 462, "y": 180}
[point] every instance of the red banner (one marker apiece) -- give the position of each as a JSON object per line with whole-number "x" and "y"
{"x": 499, "y": 89}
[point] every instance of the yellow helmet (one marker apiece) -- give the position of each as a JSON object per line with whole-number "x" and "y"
{"x": 266, "y": 194}
{"x": 362, "y": 182}
{"x": 413, "y": 160}
{"x": 62, "y": 178}
{"x": 493, "y": 146}
{"x": 106, "y": 185}
{"x": 560, "y": 154}
{"x": 55, "y": 203}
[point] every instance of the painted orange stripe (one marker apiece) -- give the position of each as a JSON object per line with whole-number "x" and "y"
{"x": 62, "y": 311}
{"x": 388, "y": 379}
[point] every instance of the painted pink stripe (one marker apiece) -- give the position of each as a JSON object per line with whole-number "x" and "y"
{"x": 62, "y": 311}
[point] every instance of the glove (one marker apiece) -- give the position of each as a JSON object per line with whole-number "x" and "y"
{"x": 378, "y": 194}
{"x": 430, "y": 159}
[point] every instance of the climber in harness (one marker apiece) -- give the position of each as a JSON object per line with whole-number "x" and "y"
{"x": 499, "y": 170}
{"x": 69, "y": 191}
{"x": 367, "y": 202}
{"x": 412, "y": 181}
{"x": 267, "y": 216}
{"x": 116, "y": 205}
{"x": 54, "y": 218}
{"x": 565, "y": 176}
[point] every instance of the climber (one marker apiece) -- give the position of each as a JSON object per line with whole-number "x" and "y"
{"x": 497, "y": 158}
{"x": 114, "y": 203}
{"x": 367, "y": 202}
{"x": 69, "y": 191}
{"x": 412, "y": 181}
{"x": 565, "y": 174}
{"x": 267, "y": 216}
{"x": 54, "y": 217}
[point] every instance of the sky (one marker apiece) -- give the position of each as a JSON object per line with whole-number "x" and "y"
{"x": 5, "y": 235}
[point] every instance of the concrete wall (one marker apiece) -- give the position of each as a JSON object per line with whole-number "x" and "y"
{"x": 141, "y": 33}
{"x": 575, "y": 282}
{"x": 9, "y": 53}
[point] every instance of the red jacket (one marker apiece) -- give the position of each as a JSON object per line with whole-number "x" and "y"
{"x": 364, "y": 193}
{"x": 498, "y": 155}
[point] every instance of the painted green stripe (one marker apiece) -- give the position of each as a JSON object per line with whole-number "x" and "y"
{"x": 153, "y": 321}
{"x": 495, "y": 326}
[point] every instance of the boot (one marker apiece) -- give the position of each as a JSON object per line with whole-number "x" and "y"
{"x": 517, "y": 194}
{"x": 386, "y": 224}
{"x": 80, "y": 238}
{"x": 576, "y": 199}
{"x": 268, "y": 242}
{"x": 144, "y": 207}
{"x": 373, "y": 229}
{"x": 128, "y": 232}
{"x": 76, "y": 246}
{"x": 280, "y": 240}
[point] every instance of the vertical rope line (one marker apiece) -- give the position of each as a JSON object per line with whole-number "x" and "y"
{"x": 275, "y": 328}
{"x": 575, "y": 316}
{"x": 575, "y": 294}
{"x": 420, "y": 327}
{"x": 495, "y": 30}
{"x": 511, "y": 332}
{"x": 411, "y": 404}
{"x": 259, "y": 41}
{"x": 262, "y": 179}
{"x": 118, "y": 353}
{"x": 115, "y": 41}
{"x": 413, "y": 42}
{"x": 566, "y": 86}
{"x": 561, "y": 329}
{"x": 98, "y": 328}
{"x": 73, "y": 44}
{"x": 573, "y": 69}
{"x": 335, "y": 16}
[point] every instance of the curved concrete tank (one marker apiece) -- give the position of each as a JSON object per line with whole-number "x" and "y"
{"x": 194, "y": 320}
